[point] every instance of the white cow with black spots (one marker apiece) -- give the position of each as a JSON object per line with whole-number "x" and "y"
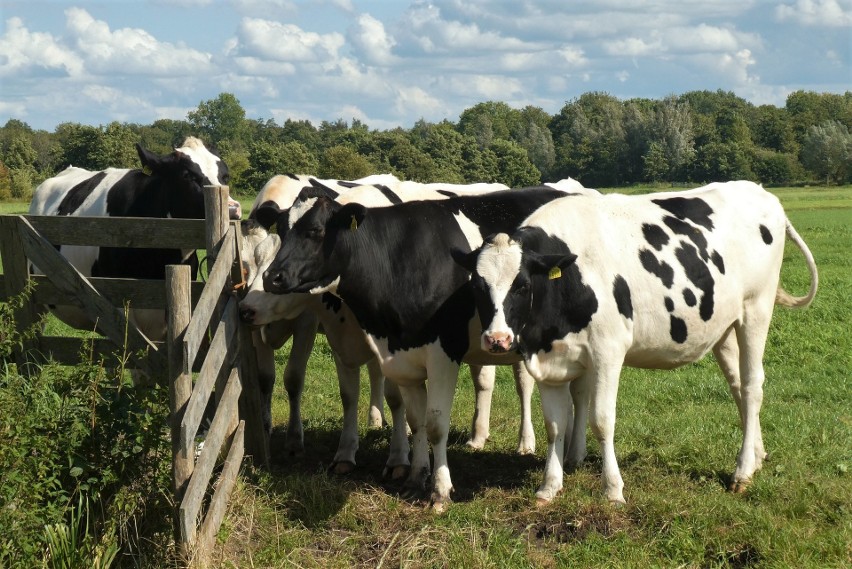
{"x": 588, "y": 285}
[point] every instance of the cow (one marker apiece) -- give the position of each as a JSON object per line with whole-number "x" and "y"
{"x": 588, "y": 285}
{"x": 392, "y": 267}
{"x": 169, "y": 185}
{"x": 272, "y": 312}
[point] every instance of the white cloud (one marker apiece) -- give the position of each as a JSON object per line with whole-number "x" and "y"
{"x": 372, "y": 42}
{"x": 130, "y": 50}
{"x": 285, "y": 42}
{"x": 414, "y": 101}
{"x": 23, "y": 52}
{"x": 827, "y": 13}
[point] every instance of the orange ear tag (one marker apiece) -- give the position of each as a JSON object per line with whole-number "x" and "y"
{"x": 554, "y": 273}
{"x": 354, "y": 225}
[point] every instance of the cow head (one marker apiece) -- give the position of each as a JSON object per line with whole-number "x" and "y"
{"x": 184, "y": 173}
{"x": 304, "y": 262}
{"x": 505, "y": 279}
{"x": 258, "y": 308}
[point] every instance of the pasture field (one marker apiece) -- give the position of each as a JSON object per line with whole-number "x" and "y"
{"x": 677, "y": 436}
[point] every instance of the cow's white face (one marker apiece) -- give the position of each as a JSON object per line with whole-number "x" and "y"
{"x": 211, "y": 166}
{"x": 501, "y": 288}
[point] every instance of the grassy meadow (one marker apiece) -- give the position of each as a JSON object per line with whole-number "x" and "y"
{"x": 677, "y": 437}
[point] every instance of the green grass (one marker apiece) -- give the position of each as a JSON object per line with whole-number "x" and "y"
{"x": 677, "y": 437}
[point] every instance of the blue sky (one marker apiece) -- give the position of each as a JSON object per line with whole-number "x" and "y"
{"x": 390, "y": 63}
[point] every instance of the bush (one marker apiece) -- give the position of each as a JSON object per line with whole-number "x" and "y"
{"x": 72, "y": 436}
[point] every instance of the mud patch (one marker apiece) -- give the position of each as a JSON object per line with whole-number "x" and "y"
{"x": 562, "y": 526}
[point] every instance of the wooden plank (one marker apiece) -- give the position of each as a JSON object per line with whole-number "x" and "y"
{"x": 222, "y": 351}
{"x": 142, "y": 293}
{"x": 197, "y": 487}
{"x": 224, "y": 487}
{"x": 111, "y": 320}
{"x": 141, "y": 232}
{"x": 251, "y": 407}
{"x": 16, "y": 281}
{"x": 180, "y": 382}
{"x": 67, "y": 350}
{"x": 204, "y": 308}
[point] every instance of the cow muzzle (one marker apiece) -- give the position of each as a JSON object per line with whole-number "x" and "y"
{"x": 235, "y": 210}
{"x": 497, "y": 342}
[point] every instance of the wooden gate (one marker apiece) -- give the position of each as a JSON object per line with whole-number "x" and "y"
{"x": 229, "y": 370}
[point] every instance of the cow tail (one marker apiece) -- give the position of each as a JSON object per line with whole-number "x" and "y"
{"x": 783, "y": 297}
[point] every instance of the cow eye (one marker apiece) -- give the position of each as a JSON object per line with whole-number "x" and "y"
{"x": 521, "y": 288}
{"x": 316, "y": 233}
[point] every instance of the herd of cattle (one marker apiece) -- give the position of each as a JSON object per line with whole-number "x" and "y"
{"x": 563, "y": 283}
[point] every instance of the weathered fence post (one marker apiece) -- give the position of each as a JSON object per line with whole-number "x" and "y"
{"x": 179, "y": 305}
{"x": 17, "y": 277}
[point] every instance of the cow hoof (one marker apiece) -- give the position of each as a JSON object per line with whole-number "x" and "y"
{"x": 477, "y": 443}
{"x": 541, "y": 502}
{"x": 396, "y": 473}
{"x": 618, "y": 504}
{"x": 525, "y": 450}
{"x": 739, "y": 486}
{"x": 439, "y": 506}
{"x": 343, "y": 468}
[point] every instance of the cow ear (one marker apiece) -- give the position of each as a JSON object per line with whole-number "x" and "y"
{"x": 467, "y": 259}
{"x": 150, "y": 162}
{"x": 323, "y": 189}
{"x": 350, "y": 216}
{"x": 267, "y": 214}
{"x": 550, "y": 265}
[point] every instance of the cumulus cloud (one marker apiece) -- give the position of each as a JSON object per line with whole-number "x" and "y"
{"x": 277, "y": 41}
{"x": 130, "y": 50}
{"x": 23, "y": 52}
{"x": 371, "y": 41}
{"x": 827, "y": 13}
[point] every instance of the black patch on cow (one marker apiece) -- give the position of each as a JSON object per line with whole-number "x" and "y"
{"x": 223, "y": 176}
{"x": 718, "y": 261}
{"x": 677, "y": 329}
{"x": 695, "y": 210}
{"x": 694, "y": 234}
{"x": 333, "y": 303}
{"x": 689, "y": 297}
{"x": 660, "y": 269}
{"x": 669, "y": 304}
{"x": 561, "y": 306}
{"x": 292, "y": 176}
{"x": 766, "y": 234}
{"x": 496, "y": 211}
{"x": 623, "y": 301}
{"x": 78, "y": 194}
{"x": 698, "y": 274}
{"x": 389, "y": 194}
{"x": 654, "y": 235}
{"x": 347, "y": 184}
{"x": 448, "y": 193}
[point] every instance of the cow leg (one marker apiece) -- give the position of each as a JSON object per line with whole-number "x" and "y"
{"x": 398, "y": 464}
{"x": 557, "y": 410}
{"x": 349, "y": 382}
{"x": 483, "y": 386}
{"x": 265, "y": 377}
{"x": 443, "y": 377}
{"x": 304, "y": 334}
{"x": 414, "y": 397}
{"x": 727, "y": 353}
{"x": 575, "y": 454}
{"x": 751, "y": 336}
{"x": 524, "y": 384}
{"x": 376, "y": 418}
{"x": 602, "y": 415}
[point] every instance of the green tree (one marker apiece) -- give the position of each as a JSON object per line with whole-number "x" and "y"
{"x": 222, "y": 118}
{"x": 827, "y": 151}
{"x": 5, "y": 182}
{"x": 268, "y": 159}
{"x": 513, "y": 164}
{"x": 19, "y": 159}
{"x": 116, "y": 148}
{"x": 342, "y": 162}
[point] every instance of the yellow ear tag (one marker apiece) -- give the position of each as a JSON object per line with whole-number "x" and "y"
{"x": 354, "y": 225}
{"x": 554, "y": 273}
{"x": 146, "y": 170}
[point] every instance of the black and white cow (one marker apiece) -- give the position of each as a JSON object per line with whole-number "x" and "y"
{"x": 392, "y": 267}
{"x": 589, "y": 285}
{"x": 280, "y": 316}
{"x": 170, "y": 185}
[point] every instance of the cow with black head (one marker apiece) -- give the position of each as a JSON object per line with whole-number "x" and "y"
{"x": 169, "y": 185}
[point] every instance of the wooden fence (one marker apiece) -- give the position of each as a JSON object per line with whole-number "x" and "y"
{"x": 196, "y": 311}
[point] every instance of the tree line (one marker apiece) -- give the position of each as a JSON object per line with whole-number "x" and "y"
{"x": 596, "y": 138}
